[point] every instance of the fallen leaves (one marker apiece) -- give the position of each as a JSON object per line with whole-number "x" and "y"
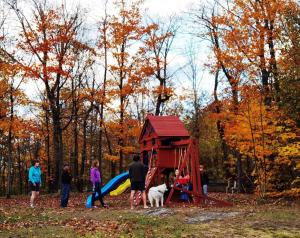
{"x": 82, "y": 226}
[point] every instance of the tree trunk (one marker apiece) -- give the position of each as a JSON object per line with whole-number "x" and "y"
{"x": 9, "y": 143}
{"x": 20, "y": 170}
{"x": 84, "y": 144}
{"x": 158, "y": 105}
{"x": 75, "y": 147}
{"x": 273, "y": 61}
{"x": 100, "y": 153}
{"x": 83, "y": 153}
{"x": 262, "y": 64}
{"x": 47, "y": 145}
{"x": 100, "y": 148}
{"x": 58, "y": 149}
{"x": 112, "y": 163}
{"x": 121, "y": 139}
{"x": 239, "y": 173}
{"x": 220, "y": 125}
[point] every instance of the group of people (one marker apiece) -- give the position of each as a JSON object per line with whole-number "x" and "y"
{"x": 137, "y": 176}
{"x": 35, "y": 182}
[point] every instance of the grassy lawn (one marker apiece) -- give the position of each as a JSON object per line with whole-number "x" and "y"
{"x": 244, "y": 219}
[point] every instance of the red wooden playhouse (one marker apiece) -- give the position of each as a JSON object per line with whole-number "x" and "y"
{"x": 165, "y": 146}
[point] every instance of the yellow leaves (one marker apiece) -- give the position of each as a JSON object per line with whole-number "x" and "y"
{"x": 293, "y": 193}
{"x": 267, "y": 136}
{"x": 288, "y": 136}
{"x": 290, "y": 150}
{"x": 128, "y": 150}
{"x": 127, "y": 131}
{"x": 109, "y": 157}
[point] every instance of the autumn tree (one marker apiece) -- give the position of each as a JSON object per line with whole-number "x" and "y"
{"x": 158, "y": 45}
{"x": 224, "y": 62}
{"x": 269, "y": 138}
{"x": 288, "y": 65}
{"x": 128, "y": 68}
{"x": 11, "y": 96}
{"x": 247, "y": 39}
{"x": 51, "y": 38}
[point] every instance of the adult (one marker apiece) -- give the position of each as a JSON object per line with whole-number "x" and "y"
{"x": 35, "y": 181}
{"x": 96, "y": 182}
{"x": 66, "y": 179}
{"x": 204, "y": 180}
{"x": 137, "y": 176}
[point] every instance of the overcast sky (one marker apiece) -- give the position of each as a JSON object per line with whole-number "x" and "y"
{"x": 162, "y": 9}
{"x": 155, "y": 9}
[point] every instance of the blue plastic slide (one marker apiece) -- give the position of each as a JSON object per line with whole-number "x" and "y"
{"x": 110, "y": 186}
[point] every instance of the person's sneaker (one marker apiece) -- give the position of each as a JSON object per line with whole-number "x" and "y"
{"x": 105, "y": 206}
{"x": 32, "y": 206}
{"x": 95, "y": 207}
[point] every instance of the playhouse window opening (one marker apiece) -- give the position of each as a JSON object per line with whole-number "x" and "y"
{"x": 166, "y": 142}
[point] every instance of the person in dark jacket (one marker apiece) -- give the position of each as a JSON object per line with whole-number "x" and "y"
{"x": 204, "y": 180}
{"x": 66, "y": 179}
{"x": 137, "y": 176}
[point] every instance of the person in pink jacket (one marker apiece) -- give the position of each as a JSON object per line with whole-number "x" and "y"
{"x": 96, "y": 182}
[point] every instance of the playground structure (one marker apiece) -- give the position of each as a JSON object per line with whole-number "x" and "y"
{"x": 112, "y": 186}
{"x": 121, "y": 189}
{"x": 165, "y": 146}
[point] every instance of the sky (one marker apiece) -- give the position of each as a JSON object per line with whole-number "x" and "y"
{"x": 164, "y": 9}
{"x": 94, "y": 9}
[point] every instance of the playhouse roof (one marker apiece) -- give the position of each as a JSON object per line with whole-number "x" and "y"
{"x": 165, "y": 126}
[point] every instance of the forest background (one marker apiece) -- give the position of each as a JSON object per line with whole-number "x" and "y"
{"x": 72, "y": 91}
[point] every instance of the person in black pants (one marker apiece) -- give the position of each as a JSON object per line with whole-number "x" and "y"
{"x": 66, "y": 179}
{"x": 96, "y": 181}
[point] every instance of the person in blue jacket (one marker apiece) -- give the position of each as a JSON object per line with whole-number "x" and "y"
{"x": 34, "y": 181}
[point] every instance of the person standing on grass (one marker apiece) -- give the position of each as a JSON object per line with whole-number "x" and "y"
{"x": 35, "y": 181}
{"x": 96, "y": 182}
{"x": 66, "y": 179}
{"x": 204, "y": 180}
{"x": 137, "y": 176}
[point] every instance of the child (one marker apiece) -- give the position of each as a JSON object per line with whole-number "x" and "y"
{"x": 66, "y": 179}
{"x": 96, "y": 181}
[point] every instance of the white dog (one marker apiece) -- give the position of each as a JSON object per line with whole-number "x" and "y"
{"x": 157, "y": 194}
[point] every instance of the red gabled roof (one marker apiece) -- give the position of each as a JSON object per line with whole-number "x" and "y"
{"x": 165, "y": 126}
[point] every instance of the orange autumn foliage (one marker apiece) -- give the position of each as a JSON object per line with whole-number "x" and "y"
{"x": 268, "y": 137}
